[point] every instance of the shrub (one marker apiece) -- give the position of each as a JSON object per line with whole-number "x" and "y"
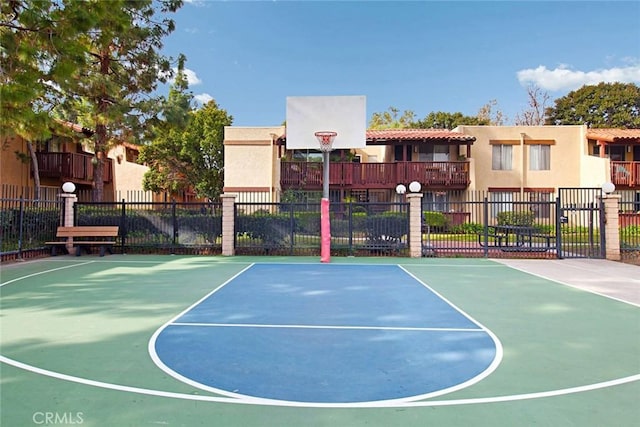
{"x": 518, "y": 218}
{"x": 435, "y": 219}
{"x": 388, "y": 224}
{"x": 468, "y": 228}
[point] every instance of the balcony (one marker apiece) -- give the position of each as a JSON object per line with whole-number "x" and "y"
{"x": 625, "y": 174}
{"x": 72, "y": 167}
{"x": 362, "y": 176}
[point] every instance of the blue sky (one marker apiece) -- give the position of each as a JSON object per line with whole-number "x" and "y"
{"x": 421, "y": 56}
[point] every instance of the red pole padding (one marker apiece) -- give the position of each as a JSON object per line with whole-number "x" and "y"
{"x": 325, "y": 231}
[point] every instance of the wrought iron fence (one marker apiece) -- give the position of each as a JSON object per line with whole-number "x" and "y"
{"x": 629, "y": 220}
{"x": 294, "y": 228}
{"x": 26, "y": 224}
{"x": 513, "y": 227}
{"x": 186, "y": 228}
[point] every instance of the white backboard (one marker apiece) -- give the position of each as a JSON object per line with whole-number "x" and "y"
{"x": 346, "y": 115}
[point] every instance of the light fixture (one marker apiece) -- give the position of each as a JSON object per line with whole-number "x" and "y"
{"x": 401, "y": 189}
{"x": 68, "y": 187}
{"x": 415, "y": 187}
{"x": 608, "y": 187}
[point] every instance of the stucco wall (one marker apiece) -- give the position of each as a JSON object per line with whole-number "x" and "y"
{"x": 12, "y": 170}
{"x": 127, "y": 176}
{"x": 569, "y": 162}
{"x": 251, "y": 158}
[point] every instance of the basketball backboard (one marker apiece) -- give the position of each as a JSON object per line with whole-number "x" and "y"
{"x": 345, "y": 115}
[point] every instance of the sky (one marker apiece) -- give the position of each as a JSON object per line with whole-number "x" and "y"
{"x": 420, "y": 56}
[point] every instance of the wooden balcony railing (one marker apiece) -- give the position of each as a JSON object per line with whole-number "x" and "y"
{"x": 72, "y": 167}
{"x": 308, "y": 176}
{"x": 625, "y": 174}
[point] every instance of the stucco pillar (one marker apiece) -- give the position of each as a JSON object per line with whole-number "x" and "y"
{"x": 69, "y": 200}
{"x": 415, "y": 224}
{"x": 228, "y": 224}
{"x": 612, "y": 226}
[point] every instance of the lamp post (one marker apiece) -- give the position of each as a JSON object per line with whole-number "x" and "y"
{"x": 69, "y": 200}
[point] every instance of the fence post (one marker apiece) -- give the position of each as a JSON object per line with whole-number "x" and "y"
{"x": 415, "y": 224}
{"x": 228, "y": 223}
{"x": 485, "y": 226}
{"x": 21, "y": 228}
{"x": 175, "y": 227}
{"x": 612, "y": 226}
{"x": 123, "y": 225}
{"x": 68, "y": 216}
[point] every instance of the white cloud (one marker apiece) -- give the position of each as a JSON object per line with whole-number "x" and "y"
{"x": 564, "y": 78}
{"x": 192, "y": 78}
{"x": 203, "y": 98}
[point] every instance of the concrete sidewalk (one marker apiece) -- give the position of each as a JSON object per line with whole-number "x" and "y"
{"x": 609, "y": 278}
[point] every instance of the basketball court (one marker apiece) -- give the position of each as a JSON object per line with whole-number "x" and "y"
{"x": 172, "y": 340}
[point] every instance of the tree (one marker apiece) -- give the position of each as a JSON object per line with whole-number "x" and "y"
{"x": 191, "y": 157}
{"x": 614, "y": 105}
{"x": 390, "y": 120}
{"x": 487, "y": 114}
{"x": 124, "y": 66}
{"x": 535, "y": 114}
{"x": 442, "y": 120}
{"x": 40, "y": 47}
{"x": 94, "y": 61}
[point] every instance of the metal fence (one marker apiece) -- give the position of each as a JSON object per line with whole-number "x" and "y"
{"x": 26, "y": 224}
{"x": 507, "y": 227}
{"x": 629, "y": 218}
{"x": 511, "y": 227}
{"x": 294, "y": 228}
{"x": 185, "y": 228}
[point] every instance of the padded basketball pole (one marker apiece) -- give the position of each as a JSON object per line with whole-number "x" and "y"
{"x": 325, "y": 225}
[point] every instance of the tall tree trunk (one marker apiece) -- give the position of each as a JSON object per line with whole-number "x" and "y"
{"x": 98, "y": 166}
{"x": 101, "y": 132}
{"x": 36, "y": 171}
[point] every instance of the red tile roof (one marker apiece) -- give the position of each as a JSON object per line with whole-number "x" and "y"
{"x": 385, "y": 136}
{"x": 614, "y": 135}
{"x": 76, "y": 127}
{"x": 431, "y": 135}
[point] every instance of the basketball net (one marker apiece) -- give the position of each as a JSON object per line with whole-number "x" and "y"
{"x": 325, "y": 138}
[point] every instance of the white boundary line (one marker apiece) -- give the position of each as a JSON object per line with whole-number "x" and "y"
{"x": 151, "y": 347}
{"x": 383, "y": 404}
{"x": 43, "y": 272}
{"x": 284, "y": 326}
{"x": 499, "y": 350}
{"x": 492, "y": 366}
{"x": 591, "y": 291}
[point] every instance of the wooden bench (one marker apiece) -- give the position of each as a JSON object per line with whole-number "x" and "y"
{"x": 85, "y": 237}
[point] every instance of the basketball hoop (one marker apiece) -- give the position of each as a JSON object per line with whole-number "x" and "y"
{"x": 325, "y": 138}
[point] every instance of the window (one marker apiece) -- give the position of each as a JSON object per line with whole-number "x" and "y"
{"x": 500, "y": 202}
{"x": 540, "y": 204}
{"x": 501, "y": 157}
{"x": 437, "y": 201}
{"x": 433, "y": 153}
{"x": 307, "y": 156}
{"x": 539, "y": 157}
{"x": 132, "y": 155}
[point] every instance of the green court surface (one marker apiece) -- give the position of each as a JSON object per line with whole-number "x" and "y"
{"x": 75, "y": 333}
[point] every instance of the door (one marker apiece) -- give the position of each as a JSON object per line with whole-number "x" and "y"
{"x": 580, "y": 223}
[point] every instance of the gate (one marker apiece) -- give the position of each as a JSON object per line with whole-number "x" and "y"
{"x": 580, "y": 223}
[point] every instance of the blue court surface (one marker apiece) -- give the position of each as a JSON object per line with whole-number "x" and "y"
{"x": 326, "y": 334}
